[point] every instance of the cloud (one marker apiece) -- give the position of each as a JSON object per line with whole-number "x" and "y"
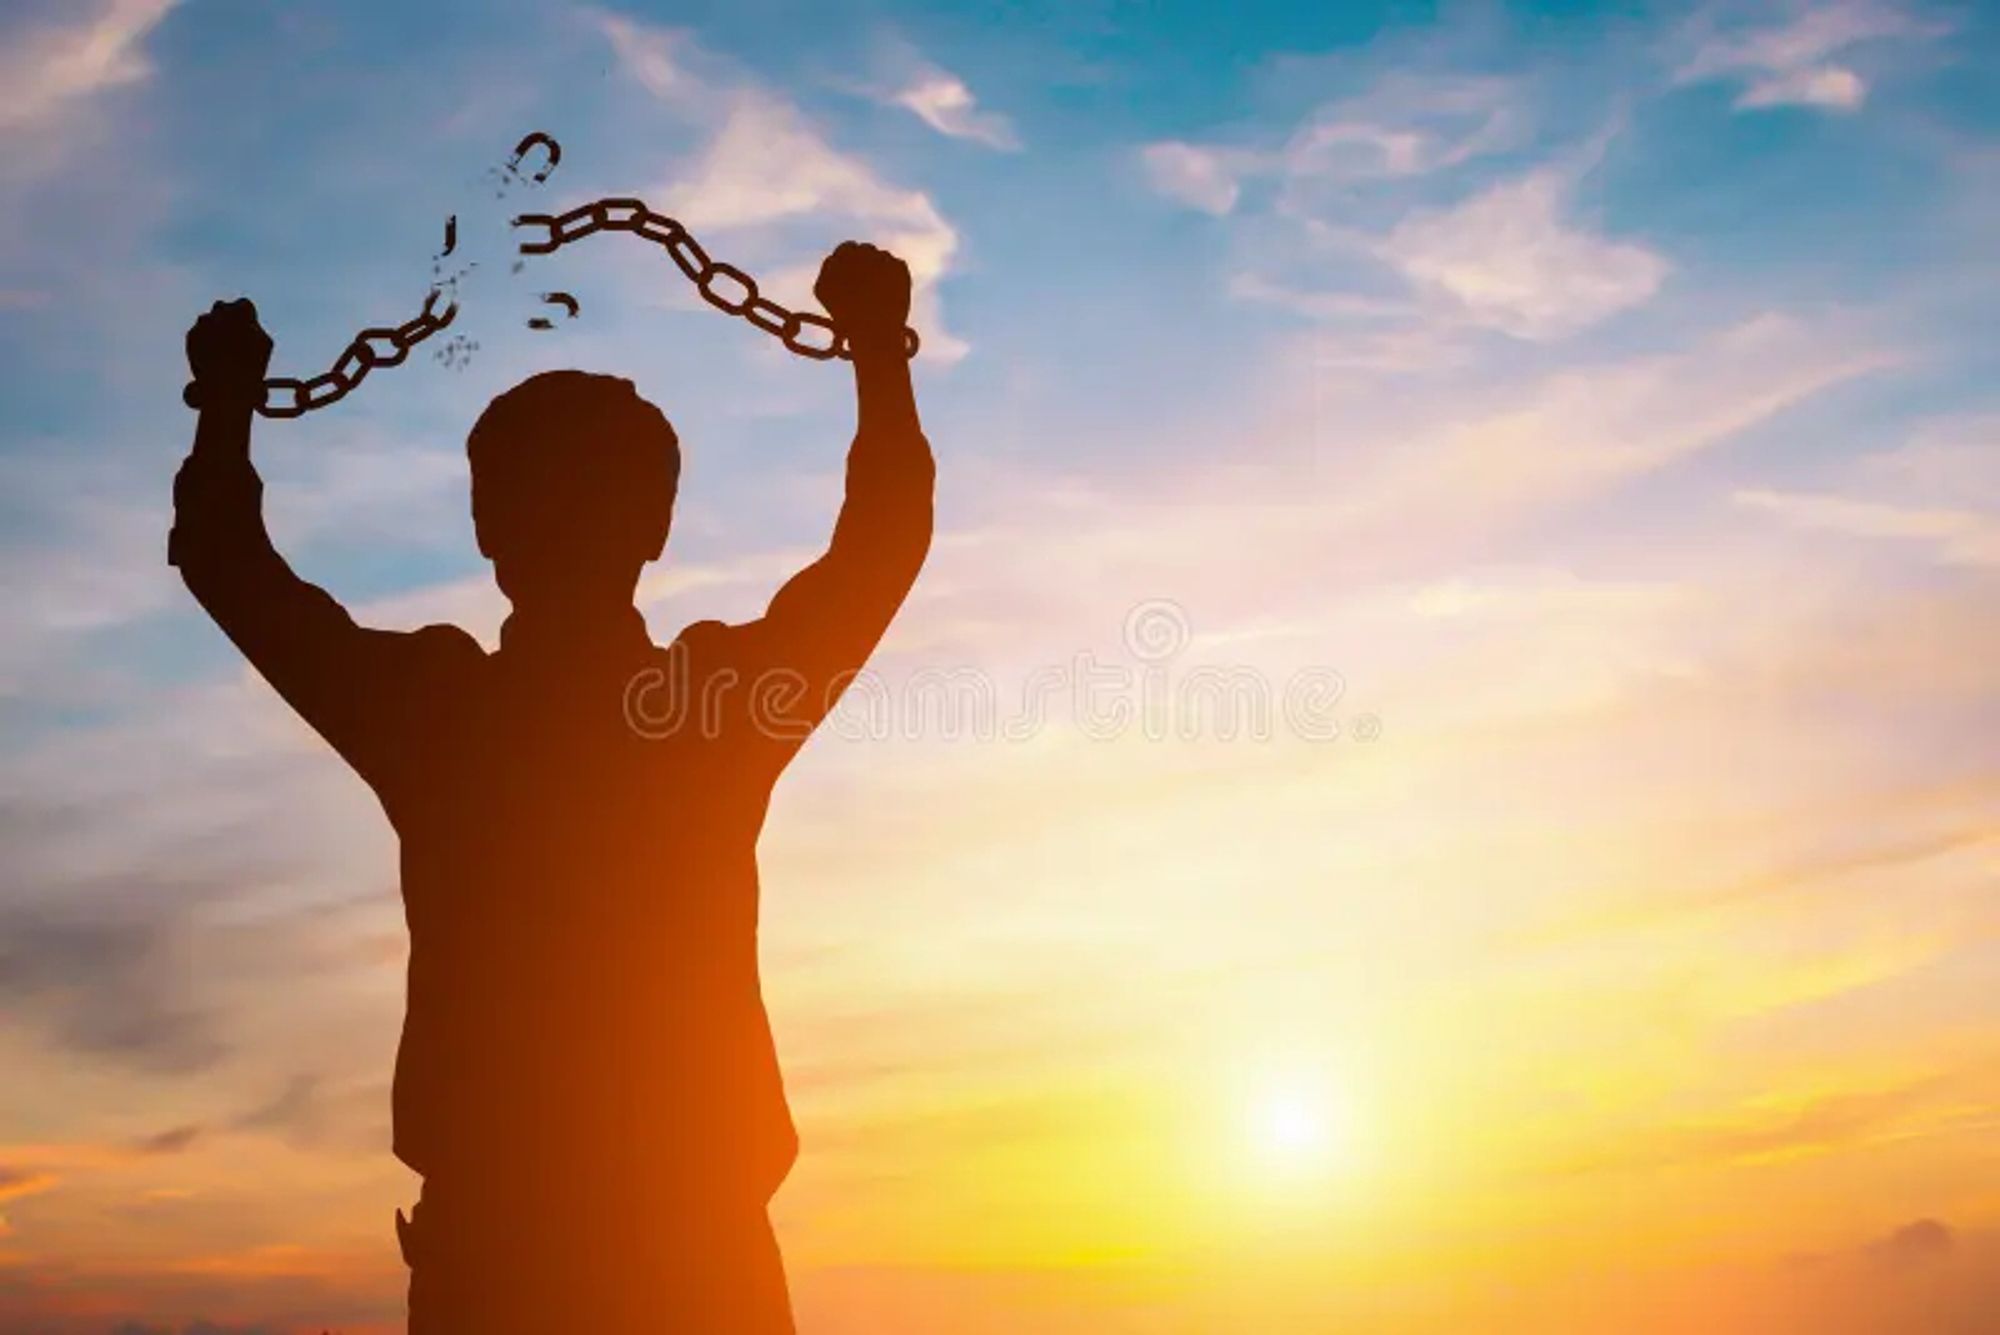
{"x": 941, "y": 100}
{"x": 1572, "y": 433}
{"x": 1830, "y": 86}
{"x": 1762, "y": 1133}
{"x": 1950, "y": 458}
{"x": 655, "y": 56}
{"x": 127, "y": 969}
{"x": 18, "y": 1182}
{"x": 1937, "y": 495}
{"x": 309, "y": 1113}
{"x": 1957, "y": 537}
{"x": 1916, "y": 1243}
{"x": 56, "y": 597}
{"x": 767, "y": 165}
{"x": 1404, "y": 126}
{"x": 1407, "y": 125}
{"x": 32, "y": 1169}
{"x": 173, "y": 1140}
{"x": 104, "y": 988}
{"x": 1512, "y": 260}
{"x": 1352, "y": 183}
{"x": 48, "y": 67}
{"x": 1790, "y": 63}
{"x": 1201, "y": 178}
{"x": 1909, "y": 849}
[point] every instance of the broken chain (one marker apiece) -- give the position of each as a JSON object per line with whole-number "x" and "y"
{"x": 712, "y": 278}
{"x": 373, "y": 347}
{"x": 723, "y": 286}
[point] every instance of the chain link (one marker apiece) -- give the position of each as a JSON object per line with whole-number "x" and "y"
{"x": 373, "y": 347}
{"x": 723, "y": 286}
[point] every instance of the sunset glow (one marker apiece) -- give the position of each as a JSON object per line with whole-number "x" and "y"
{"x": 1440, "y": 775}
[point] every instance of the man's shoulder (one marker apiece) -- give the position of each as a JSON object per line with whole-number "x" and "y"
{"x": 708, "y": 640}
{"x": 710, "y": 648}
{"x": 439, "y": 647}
{"x": 441, "y": 637}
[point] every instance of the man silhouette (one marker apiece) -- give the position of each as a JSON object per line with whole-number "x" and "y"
{"x": 586, "y": 1079}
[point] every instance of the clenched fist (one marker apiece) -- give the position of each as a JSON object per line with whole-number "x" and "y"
{"x": 866, "y": 291}
{"x": 228, "y": 352}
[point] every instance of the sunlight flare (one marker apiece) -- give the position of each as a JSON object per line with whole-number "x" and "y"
{"x": 1298, "y": 1127}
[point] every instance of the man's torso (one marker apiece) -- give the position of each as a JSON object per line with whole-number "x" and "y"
{"x": 581, "y": 891}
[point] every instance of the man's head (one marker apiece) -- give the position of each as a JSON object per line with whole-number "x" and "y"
{"x": 573, "y": 480}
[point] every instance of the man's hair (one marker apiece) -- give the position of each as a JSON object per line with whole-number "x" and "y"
{"x": 568, "y": 449}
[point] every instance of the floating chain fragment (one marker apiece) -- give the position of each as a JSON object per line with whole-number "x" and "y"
{"x": 569, "y": 304}
{"x": 528, "y": 141}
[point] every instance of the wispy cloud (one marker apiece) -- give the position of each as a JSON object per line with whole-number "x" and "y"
{"x": 46, "y": 67}
{"x": 1408, "y": 125}
{"x": 1792, "y": 62}
{"x": 941, "y": 100}
{"x": 1208, "y": 179}
{"x": 1514, "y": 260}
{"x": 16, "y": 1183}
{"x": 1962, "y": 537}
{"x": 1937, "y": 495}
{"x": 1582, "y": 429}
{"x": 1403, "y": 127}
{"x": 1508, "y": 254}
{"x": 656, "y": 56}
{"x": 1814, "y": 1126}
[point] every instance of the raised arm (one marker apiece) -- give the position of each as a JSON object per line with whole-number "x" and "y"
{"x": 825, "y": 621}
{"x": 337, "y": 675}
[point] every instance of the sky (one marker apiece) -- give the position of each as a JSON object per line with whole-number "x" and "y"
{"x": 1440, "y": 775}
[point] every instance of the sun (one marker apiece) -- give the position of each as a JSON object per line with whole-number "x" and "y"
{"x": 1288, "y": 1126}
{"x": 1297, "y": 1126}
